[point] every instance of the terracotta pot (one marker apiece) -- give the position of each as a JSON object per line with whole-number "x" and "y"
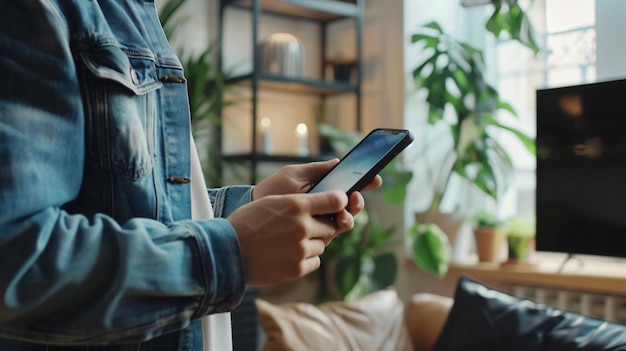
{"x": 487, "y": 244}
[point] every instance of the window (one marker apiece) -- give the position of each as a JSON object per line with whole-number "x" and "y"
{"x": 569, "y": 56}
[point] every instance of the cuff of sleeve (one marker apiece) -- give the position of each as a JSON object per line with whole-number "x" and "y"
{"x": 224, "y": 274}
{"x": 230, "y": 198}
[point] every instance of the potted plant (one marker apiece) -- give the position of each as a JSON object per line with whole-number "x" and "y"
{"x": 488, "y": 235}
{"x": 454, "y": 77}
{"x": 520, "y": 237}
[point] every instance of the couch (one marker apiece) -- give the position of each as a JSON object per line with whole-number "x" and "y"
{"x": 477, "y": 318}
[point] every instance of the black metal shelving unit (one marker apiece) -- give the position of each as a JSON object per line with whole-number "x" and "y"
{"x": 323, "y": 12}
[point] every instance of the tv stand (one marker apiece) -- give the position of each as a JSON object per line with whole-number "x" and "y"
{"x": 595, "y": 287}
{"x": 570, "y": 257}
{"x": 600, "y": 275}
{"x": 595, "y": 274}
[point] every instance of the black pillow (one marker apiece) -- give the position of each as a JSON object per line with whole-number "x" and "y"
{"x": 486, "y": 319}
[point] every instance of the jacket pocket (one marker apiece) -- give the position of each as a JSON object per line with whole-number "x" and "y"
{"x": 120, "y": 109}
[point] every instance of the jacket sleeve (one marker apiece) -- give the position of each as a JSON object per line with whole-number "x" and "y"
{"x": 71, "y": 279}
{"x": 229, "y": 198}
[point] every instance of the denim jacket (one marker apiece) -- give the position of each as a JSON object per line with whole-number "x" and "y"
{"x": 96, "y": 245}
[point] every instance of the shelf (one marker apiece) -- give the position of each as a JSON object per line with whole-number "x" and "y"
{"x": 318, "y": 10}
{"x": 276, "y": 158}
{"x": 342, "y": 62}
{"x": 296, "y": 85}
{"x": 256, "y": 81}
{"x": 588, "y": 274}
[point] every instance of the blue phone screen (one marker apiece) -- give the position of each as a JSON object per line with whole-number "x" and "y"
{"x": 359, "y": 161}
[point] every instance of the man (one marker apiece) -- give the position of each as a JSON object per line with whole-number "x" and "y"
{"x": 99, "y": 181}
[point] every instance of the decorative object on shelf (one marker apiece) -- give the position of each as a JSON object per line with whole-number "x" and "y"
{"x": 520, "y": 237}
{"x": 283, "y": 54}
{"x": 302, "y": 132}
{"x": 267, "y": 144}
{"x": 488, "y": 235}
{"x": 344, "y": 71}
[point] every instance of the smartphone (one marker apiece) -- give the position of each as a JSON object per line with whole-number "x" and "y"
{"x": 365, "y": 160}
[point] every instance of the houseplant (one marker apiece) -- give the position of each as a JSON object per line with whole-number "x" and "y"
{"x": 461, "y": 99}
{"x": 520, "y": 237}
{"x": 488, "y": 235}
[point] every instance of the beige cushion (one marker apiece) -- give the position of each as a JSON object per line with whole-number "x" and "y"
{"x": 425, "y": 318}
{"x": 372, "y": 323}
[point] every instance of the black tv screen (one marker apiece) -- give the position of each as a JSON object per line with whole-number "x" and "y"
{"x": 581, "y": 169}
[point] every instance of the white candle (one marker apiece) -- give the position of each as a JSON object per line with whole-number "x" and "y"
{"x": 302, "y": 133}
{"x": 266, "y": 136}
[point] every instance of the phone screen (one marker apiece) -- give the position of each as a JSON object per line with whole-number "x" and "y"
{"x": 356, "y": 164}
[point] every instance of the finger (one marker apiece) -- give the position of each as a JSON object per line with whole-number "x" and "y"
{"x": 344, "y": 221}
{"x": 374, "y": 184}
{"x": 315, "y": 247}
{"x": 356, "y": 203}
{"x": 312, "y": 172}
{"x": 310, "y": 265}
{"x": 327, "y": 202}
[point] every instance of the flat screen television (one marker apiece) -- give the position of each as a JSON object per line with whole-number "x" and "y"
{"x": 581, "y": 169}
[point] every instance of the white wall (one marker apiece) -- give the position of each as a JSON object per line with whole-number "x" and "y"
{"x": 196, "y": 25}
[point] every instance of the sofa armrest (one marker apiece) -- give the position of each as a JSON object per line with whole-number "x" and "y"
{"x": 425, "y": 317}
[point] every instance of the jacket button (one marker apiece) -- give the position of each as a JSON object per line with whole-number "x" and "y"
{"x": 133, "y": 76}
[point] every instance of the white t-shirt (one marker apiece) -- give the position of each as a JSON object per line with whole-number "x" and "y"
{"x": 216, "y": 328}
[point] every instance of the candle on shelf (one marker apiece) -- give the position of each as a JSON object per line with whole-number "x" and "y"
{"x": 266, "y": 136}
{"x": 302, "y": 133}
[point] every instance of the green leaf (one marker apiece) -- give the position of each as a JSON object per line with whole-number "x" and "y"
{"x": 431, "y": 249}
{"x": 418, "y": 71}
{"x": 347, "y": 272}
{"x": 385, "y": 270}
{"x": 470, "y": 131}
{"x": 486, "y": 181}
{"x": 458, "y": 56}
{"x": 168, "y": 19}
{"x": 434, "y": 25}
{"x": 513, "y": 20}
{"x": 362, "y": 288}
{"x": 395, "y": 183}
{"x": 429, "y": 41}
{"x": 434, "y": 115}
{"x": 527, "y": 141}
{"x": 508, "y": 107}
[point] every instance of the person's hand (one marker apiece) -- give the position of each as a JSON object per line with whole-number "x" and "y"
{"x": 300, "y": 178}
{"x": 279, "y": 237}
